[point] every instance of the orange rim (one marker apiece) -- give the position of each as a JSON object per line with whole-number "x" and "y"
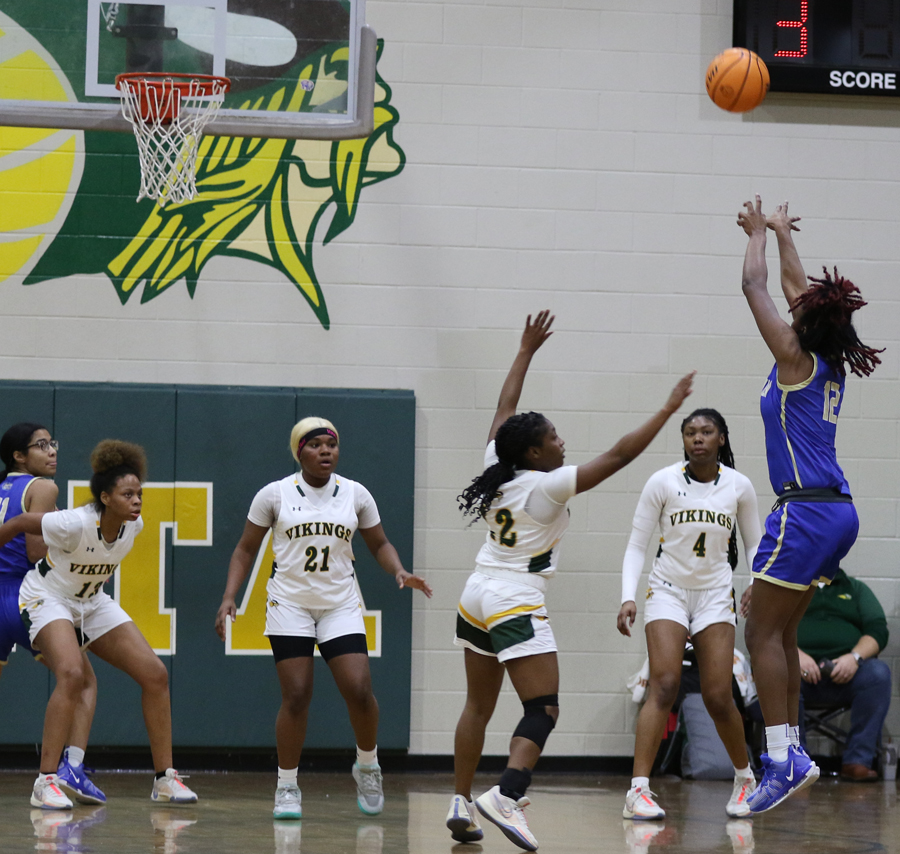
{"x": 154, "y": 90}
{"x": 182, "y": 82}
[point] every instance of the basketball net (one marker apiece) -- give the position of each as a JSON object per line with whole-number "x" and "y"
{"x": 168, "y": 113}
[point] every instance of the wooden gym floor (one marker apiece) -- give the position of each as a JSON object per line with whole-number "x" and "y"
{"x": 570, "y": 814}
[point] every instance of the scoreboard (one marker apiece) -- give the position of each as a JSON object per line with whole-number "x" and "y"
{"x": 842, "y": 47}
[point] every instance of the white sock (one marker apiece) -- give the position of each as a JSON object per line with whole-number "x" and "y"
{"x": 778, "y": 739}
{"x": 640, "y": 782}
{"x": 795, "y": 736}
{"x": 287, "y": 776}
{"x": 743, "y": 773}
{"x": 75, "y": 756}
{"x": 367, "y": 757}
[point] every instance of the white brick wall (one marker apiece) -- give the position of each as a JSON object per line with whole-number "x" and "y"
{"x": 560, "y": 153}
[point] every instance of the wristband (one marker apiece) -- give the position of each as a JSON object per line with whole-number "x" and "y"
{"x": 857, "y": 656}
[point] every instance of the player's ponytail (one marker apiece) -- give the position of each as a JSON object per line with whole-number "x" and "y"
{"x": 111, "y": 460}
{"x": 726, "y": 457}
{"x": 516, "y": 435}
{"x": 16, "y": 438}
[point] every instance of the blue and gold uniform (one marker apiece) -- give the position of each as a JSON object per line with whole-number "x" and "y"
{"x": 13, "y": 566}
{"x": 814, "y": 523}
{"x": 13, "y": 556}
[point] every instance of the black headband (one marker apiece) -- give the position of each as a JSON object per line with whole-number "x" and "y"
{"x": 317, "y": 431}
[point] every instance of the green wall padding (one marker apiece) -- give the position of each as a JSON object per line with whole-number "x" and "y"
{"x": 237, "y": 439}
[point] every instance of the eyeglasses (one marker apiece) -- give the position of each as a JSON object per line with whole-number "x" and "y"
{"x": 44, "y": 445}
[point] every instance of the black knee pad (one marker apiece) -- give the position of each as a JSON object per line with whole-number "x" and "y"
{"x": 536, "y": 725}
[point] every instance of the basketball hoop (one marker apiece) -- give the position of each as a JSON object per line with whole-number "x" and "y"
{"x": 168, "y": 113}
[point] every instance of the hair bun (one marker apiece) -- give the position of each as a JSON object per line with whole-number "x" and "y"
{"x": 114, "y": 453}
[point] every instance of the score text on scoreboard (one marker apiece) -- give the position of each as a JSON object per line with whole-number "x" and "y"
{"x": 842, "y": 47}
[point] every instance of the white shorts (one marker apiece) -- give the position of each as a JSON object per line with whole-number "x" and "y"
{"x": 504, "y": 619}
{"x": 323, "y": 624}
{"x": 92, "y": 617}
{"x": 694, "y": 609}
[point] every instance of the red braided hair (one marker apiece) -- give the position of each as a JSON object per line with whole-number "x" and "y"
{"x": 827, "y": 327}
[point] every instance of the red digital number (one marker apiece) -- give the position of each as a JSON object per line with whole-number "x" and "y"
{"x": 801, "y": 24}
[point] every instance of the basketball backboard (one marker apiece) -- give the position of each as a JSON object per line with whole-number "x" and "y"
{"x": 298, "y": 68}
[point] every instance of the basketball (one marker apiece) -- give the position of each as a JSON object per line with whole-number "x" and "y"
{"x": 737, "y": 80}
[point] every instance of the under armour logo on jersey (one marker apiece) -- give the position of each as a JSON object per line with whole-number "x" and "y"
{"x": 89, "y": 549}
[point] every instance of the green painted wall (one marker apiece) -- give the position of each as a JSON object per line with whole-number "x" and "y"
{"x": 237, "y": 439}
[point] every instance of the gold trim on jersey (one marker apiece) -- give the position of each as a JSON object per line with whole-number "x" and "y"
{"x": 787, "y": 441}
{"x": 778, "y": 544}
{"x": 687, "y": 477}
{"x": 470, "y": 619}
{"x": 805, "y": 382}
{"x": 547, "y": 550}
{"x": 521, "y": 609}
{"x": 762, "y": 573}
{"x": 789, "y": 584}
{"x": 784, "y": 393}
{"x": 27, "y": 487}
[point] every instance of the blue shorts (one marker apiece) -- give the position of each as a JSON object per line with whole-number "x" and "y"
{"x": 12, "y": 629}
{"x": 804, "y": 542}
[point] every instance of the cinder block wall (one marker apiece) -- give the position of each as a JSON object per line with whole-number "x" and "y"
{"x": 561, "y": 154}
{"x": 565, "y": 154}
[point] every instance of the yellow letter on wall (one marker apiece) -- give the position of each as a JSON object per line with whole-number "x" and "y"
{"x": 246, "y": 635}
{"x": 140, "y": 583}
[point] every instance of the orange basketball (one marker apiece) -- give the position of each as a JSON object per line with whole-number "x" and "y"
{"x": 737, "y": 80}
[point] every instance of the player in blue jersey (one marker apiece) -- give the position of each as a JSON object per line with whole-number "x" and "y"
{"x": 814, "y": 523}
{"x": 29, "y": 455}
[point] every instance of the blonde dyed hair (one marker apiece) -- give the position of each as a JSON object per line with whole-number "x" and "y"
{"x": 307, "y": 425}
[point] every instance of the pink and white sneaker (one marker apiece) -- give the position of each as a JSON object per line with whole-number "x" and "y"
{"x": 509, "y": 816}
{"x": 640, "y": 804}
{"x": 171, "y": 788}
{"x": 737, "y": 806}
{"x": 47, "y": 795}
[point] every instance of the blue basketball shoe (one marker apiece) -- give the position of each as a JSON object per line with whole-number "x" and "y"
{"x": 77, "y": 783}
{"x": 782, "y": 779}
{"x": 812, "y": 773}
